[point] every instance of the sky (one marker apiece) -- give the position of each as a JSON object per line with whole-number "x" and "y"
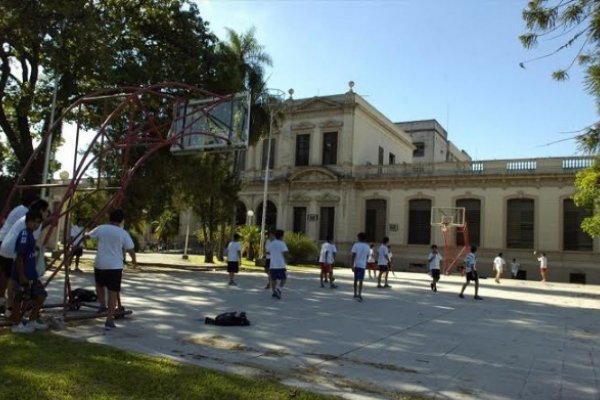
{"x": 453, "y": 60}
{"x": 456, "y": 61}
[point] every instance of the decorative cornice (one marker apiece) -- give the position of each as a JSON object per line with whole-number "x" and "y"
{"x": 302, "y": 126}
{"x": 331, "y": 124}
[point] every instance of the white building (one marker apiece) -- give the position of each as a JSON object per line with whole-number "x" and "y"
{"x": 340, "y": 167}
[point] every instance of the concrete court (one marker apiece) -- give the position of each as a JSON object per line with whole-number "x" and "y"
{"x": 525, "y": 340}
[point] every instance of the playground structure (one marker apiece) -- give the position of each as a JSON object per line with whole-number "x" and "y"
{"x": 455, "y": 232}
{"x": 129, "y": 125}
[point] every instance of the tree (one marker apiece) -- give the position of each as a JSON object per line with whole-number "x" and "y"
{"x": 570, "y": 24}
{"x": 573, "y": 24}
{"x": 96, "y": 44}
{"x": 166, "y": 227}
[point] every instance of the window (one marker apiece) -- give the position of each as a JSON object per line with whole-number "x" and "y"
{"x": 419, "y": 221}
{"x": 574, "y": 238}
{"x": 375, "y": 219}
{"x": 520, "y": 223}
{"x": 473, "y": 220}
{"x": 302, "y": 149}
{"x": 330, "y": 148}
{"x": 419, "y": 150}
{"x": 264, "y": 154}
{"x": 392, "y": 159}
{"x": 381, "y": 153}
{"x": 270, "y": 215}
{"x": 327, "y": 222}
{"x": 299, "y": 220}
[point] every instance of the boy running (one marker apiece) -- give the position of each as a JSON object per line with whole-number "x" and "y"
{"x": 326, "y": 259}
{"x": 499, "y": 264}
{"x": 434, "y": 260}
{"x": 25, "y": 277}
{"x": 383, "y": 262}
{"x": 234, "y": 257}
{"x": 471, "y": 274}
{"x": 360, "y": 255}
{"x": 277, "y": 249}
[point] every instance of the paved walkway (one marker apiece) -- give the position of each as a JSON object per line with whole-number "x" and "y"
{"x": 525, "y": 340}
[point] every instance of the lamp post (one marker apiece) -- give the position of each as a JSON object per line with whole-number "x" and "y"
{"x": 272, "y": 98}
{"x": 249, "y": 216}
{"x": 187, "y": 234}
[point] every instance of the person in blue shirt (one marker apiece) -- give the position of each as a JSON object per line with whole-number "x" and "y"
{"x": 26, "y": 279}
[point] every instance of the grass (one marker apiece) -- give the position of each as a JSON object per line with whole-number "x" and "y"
{"x": 47, "y": 366}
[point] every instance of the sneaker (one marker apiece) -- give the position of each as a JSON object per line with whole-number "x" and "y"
{"x": 22, "y": 328}
{"x": 109, "y": 324}
{"x": 478, "y": 298}
{"x": 359, "y": 298}
{"x": 102, "y": 310}
{"x": 78, "y": 270}
{"x": 333, "y": 286}
{"x": 355, "y": 296}
{"x": 232, "y": 283}
{"x": 379, "y": 287}
{"x": 38, "y": 325}
{"x": 322, "y": 285}
{"x": 434, "y": 287}
{"x": 387, "y": 286}
{"x": 431, "y": 284}
{"x": 462, "y": 296}
{"x": 278, "y": 292}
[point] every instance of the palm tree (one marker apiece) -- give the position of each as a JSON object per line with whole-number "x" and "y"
{"x": 250, "y": 60}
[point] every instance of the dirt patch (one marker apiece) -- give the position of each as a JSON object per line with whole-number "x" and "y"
{"x": 216, "y": 341}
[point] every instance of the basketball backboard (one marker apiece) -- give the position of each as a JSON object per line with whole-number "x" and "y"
{"x": 211, "y": 124}
{"x": 447, "y": 216}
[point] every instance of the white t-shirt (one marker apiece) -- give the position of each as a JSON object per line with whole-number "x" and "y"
{"x": 361, "y": 254}
{"x": 277, "y": 248}
{"x": 383, "y": 255}
{"x": 470, "y": 262}
{"x": 233, "y": 250}
{"x": 75, "y": 233}
{"x": 543, "y": 261}
{"x": 7, "y": 249}
{"x": 327, "y": 254}
{"x": 371, "y": 258}
{"x": 112, "y": 239}
{"x": 14, "y": 215}
{"x": 434, "y": 260}
{"x": 499, "y": 263}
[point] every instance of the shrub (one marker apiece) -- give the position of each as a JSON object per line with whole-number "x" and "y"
{"x": 250, "y": 241}
{"x": 301, "y": 248}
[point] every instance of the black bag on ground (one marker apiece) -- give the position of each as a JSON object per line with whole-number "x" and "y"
{"x": 229, "y": 319}
{"x": 84, "y": 295}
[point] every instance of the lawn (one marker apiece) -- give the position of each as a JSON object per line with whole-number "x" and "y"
{"x": 48, "y": 366}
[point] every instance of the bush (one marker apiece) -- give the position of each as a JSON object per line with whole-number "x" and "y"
{"x": 301, "y": 248}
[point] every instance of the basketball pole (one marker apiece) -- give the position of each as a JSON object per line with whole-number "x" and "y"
{"x": 263, "y": 217}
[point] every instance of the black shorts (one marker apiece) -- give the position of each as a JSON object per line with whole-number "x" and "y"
{"x": 384, "y": 268}
{"x": 472, "y": 276}
{"x": 108, "y": 278}
{"x": 78, "y": 251}
{"x": 6, "y": 266}
{"x": 233, "y": 266}
{"x": 435, "y": 274}
{"x": 33, "y": 290}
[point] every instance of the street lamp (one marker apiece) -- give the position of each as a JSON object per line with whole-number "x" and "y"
{"x": 187, "y": 234}
{"x": 272, "y": 99}
{"x": 249, "y": 216}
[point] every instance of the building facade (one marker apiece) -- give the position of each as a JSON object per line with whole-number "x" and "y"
{"x": 338, "y": 166}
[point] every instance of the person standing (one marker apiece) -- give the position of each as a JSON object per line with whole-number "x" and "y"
{"x": 471, "y": 274}
{"x": 270, "y": 238}
{"x": 278, "y": 271}
{"x": 77, "y": 237}
{"x": 234, "y": 257}
{"x": 108, "y": 265}
{"x": 514, "y": 268}
{"x": 327, "y": 259}
{"x": 371, "y": 264}
{"x": 499, "y": 264}
{"x": 360, "y": 255}
{"x": 543, "y": 265}
{"x": 25, "y": 277}
{"x": 383, "y": 262}
{"x": 434, "y": 260}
